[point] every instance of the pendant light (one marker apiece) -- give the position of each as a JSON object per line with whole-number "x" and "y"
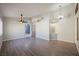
{"x": 22, "y": 19}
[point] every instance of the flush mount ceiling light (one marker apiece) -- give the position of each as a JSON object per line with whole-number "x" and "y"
{"x": 22, "y": 19}
{"x": 40, "y": 18}
{"x": 60, "y": 17}
{"x": 59, "y": 6}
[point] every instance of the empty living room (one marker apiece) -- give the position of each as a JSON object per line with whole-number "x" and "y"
{"x": 39, "y": 29}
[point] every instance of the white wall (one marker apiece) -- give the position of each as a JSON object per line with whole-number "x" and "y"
{"x": 75, "y": 18}
{"x": 1, "y": 32}
{"x": 76, "y": 41}
{"x": 12, "y": 29}
{"x": 42, "y": 28}
{"x": 65, "y": 29}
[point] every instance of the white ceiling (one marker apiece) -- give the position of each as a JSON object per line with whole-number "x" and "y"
{"x": 28, "y": 9}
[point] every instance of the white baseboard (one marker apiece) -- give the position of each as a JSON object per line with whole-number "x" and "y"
{"x": 66, "y": 41}
{"x": 36, "y": 38}
{"x": 14, "y": 38}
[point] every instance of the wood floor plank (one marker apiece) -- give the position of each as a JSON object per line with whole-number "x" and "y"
{"x": 37, "y": 47}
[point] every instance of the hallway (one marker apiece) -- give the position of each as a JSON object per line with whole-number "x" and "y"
{"x": 37, "y": 47}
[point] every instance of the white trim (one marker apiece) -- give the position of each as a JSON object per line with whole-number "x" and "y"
{"x": 15, "y": 38}
{"x": 66, "y": 41}
{"x": 12, "y": 39}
